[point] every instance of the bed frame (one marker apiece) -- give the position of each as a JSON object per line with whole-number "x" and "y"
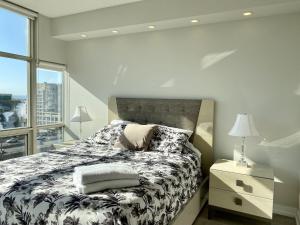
{"x": 196, "y": 115}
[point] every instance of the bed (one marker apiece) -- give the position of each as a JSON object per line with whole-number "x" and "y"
{"x": 38, "y": 189}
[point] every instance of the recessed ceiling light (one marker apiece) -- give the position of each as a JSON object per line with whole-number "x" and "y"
{"x": 83, "y": 35}
{"x": 194, "y": 21}
{"x": 151, "y": 27}
{"x": 248, "y": 13}
{"x": 115, "y": 31}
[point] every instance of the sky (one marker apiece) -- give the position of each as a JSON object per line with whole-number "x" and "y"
{"x": 14, "y": 39}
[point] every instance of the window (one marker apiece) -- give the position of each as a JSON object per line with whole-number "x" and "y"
{"x": 12, "y": 147}
{"x": 13, "y": 97}
{"x": 49, "y": 107}
{"x": 14, "y": 30}
{"x": 16, "y": 65}
{"x": 49, "y": 97}
{"x": 31, "y": 114}
{"x": 47, "y": 137}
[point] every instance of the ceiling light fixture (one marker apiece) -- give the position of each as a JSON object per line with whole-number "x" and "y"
{"x": 151, "y": 27}
{"x": 248, "y": 13}
{"x": 83, "y": 35}
{"x": 194, "y": 21}
{"x": 115, "y": 31}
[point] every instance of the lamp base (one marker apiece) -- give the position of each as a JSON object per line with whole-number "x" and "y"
{"x": 242, "y": 163}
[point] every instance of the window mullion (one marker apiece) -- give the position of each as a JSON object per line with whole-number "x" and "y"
{"x": 15, "y": 56}
{"x": 57, "y": 125}
{"x": 15, "y": 132}
{"x": 32, "y": 148}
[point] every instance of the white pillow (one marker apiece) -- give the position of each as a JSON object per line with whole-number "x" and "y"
{"x": 193, "y": 148}
{"x": 120, "y": 122}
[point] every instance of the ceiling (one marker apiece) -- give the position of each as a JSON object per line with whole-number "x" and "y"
{"x": 57, "y": 8}
{"x": 80, "y": 19}
{"x": 163, "y": 14}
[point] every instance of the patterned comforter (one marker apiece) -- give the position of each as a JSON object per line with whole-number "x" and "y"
{"x": 38, "y": 189}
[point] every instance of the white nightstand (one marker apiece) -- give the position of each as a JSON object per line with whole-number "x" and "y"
{"x": 245, "y": 191}
{"x": 65, "y": 144}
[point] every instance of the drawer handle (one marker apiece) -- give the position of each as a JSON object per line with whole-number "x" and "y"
{"x": 247, "y": 188}
{"x": 239, "y": 183}
{"x": 238, "y": 201}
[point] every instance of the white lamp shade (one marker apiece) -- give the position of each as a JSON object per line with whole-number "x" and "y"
{"x": 244, "y": 126}
{"x": 81, "y": 115}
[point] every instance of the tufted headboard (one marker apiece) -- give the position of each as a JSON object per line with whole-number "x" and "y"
{"x": 196, "y": 115}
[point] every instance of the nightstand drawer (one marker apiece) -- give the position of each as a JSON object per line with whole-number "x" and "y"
{"x": 243, "y": 184}
{"x": 243, "y": 203}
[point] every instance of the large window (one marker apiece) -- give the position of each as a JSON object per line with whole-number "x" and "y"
{"x": 31, "y": 100}
{"x": 16, "y": 64}
{"x": 15, "y": 33}
{"x": 49, "y": 108}
{"x": 13, "y": 93}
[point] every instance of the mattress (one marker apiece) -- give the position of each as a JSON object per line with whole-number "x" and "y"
{"x": 38, "y": 189}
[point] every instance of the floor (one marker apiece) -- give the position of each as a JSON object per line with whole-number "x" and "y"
{"x": 228, "y": 219}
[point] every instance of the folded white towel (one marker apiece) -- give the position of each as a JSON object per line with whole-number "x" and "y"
{"x": 103, "y": 185}
{"x": 103, "y": 172}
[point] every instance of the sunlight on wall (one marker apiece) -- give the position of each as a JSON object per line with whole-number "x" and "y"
{"x": 214, "y": 58}
{"x": 286, "y": 142}
{"x": 78, "y": 95}
{"x": 120, "y": 74}
{"x": 168, "y": 84}
{"x": 297, "y": 91}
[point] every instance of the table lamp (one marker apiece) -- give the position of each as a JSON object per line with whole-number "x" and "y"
{"x": 243, "y": 127}
{"x": 81, "y": 115}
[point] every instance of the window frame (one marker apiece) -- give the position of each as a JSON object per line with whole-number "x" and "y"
{"x": 58, "y": 68}
{"x": 33, "y": 64}
{"x": 31, "y": 59}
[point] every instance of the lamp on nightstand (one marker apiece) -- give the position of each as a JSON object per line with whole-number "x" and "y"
{"x": 243, "y": 127}
{"x": 81, "y": 115}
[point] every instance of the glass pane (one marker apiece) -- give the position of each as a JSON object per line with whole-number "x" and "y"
{"x": 13, "y": 147}
{"x": 14, "y": 30}
{"x": 49, "y": 97}
{"x": 13, "y": 93}
{"x": 47, "y": 137}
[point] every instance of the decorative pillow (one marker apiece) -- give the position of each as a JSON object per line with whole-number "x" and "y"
{"x": 169, "y": 138}
{"x": 107, "y": 135}
{"x": 120, "y": 122}
{"x": 136, "y": 137}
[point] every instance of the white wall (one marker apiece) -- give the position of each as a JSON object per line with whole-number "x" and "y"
{"x": 298, "y": 211}
{"x": 246, "y": 66}
{"x": 49, "y": 48}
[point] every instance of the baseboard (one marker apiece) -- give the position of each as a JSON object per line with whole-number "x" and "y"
{"x": 285, "y": 210}
{"x": 298, "y": 217}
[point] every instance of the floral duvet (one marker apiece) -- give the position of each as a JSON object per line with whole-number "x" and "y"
{"x": 38, "y": 189}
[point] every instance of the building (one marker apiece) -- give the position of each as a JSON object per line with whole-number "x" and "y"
{"x": 7, "y": 103}
{"x": 9, "y": 115}
{"x": 48, "y": 103}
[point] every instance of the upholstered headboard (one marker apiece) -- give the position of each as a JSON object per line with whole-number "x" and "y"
{"x": 196, "y": 115}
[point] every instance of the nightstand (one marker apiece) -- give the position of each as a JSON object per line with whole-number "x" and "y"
{"x": 65, "y": 144}
{"x": 240, "y": 190}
